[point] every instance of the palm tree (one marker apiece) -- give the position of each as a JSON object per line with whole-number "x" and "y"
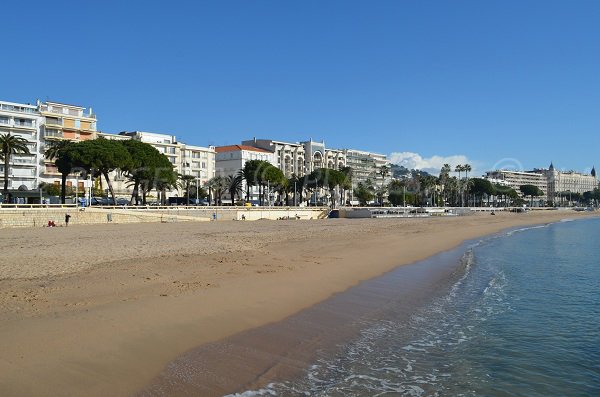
{"x": 460, "y": 168}
{"x": 185, "y": 184}
{"x": 467, "y": 168}
{"x": 56, "y": 151}
{"x": 218, "y": 185}
{"x": 234, "y": 185}
{"x": 11, "y": 144}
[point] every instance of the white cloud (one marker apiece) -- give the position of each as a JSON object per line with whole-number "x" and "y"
{"x": 431, "y": 164}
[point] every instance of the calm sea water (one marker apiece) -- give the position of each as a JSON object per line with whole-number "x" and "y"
{"x": 523, "y": 320}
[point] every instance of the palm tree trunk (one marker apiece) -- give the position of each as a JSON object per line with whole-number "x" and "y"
{"x": 110, "y": 187}
{"x": 63, "y": 187}
{"x": 6, "y": 165}
{"x": 135, "y": 193}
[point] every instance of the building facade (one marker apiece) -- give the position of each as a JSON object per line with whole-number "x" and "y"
{"x": 552, "y": 182}
{"x": 288, "y": 157}
{"x": 318, "y": 156}
{"x": 63, "y": 122}
{"x": 22, "y": 120}
{"x": 232, "y": 158}
{"x": 367, "y": 166}
{"x": 562, "y": 182}
{"x": 516, "y": 179}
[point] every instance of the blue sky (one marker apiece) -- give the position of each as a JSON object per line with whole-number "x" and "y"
{"x": 486, "y": 80}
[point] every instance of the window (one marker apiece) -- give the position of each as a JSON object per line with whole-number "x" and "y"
{"x": 203, "y": 164}
{"x": 78, "y": 124}
{"x": 3, "y": 120}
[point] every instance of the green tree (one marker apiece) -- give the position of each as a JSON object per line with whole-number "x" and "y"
{"x": 10, "y": 145}
{"x": 144, "y": 166}
{"x": 186, "y": 182}
{"x": 531, "y": 191}
{"x": 59, "y": 152}
{"x": 253, "y": 173}
{"x": 234, "y": 187}
{"x": 363, "y": 194}
{"x": 272, "y": 177}
{"x": 51, "y": 189}
{"x": 103, "y": 156}
{"x": 481, "y": 187}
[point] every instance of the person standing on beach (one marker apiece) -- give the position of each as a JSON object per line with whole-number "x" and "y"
{"x": 67, "y": 218}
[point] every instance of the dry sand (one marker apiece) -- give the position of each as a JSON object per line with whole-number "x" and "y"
{"x": 100, "y": 310}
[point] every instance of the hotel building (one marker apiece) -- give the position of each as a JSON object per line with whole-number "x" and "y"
{"x": 561, "y": 182}
{"x": 551, "y": 181}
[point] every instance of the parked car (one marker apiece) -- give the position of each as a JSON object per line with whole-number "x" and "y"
{"x": 122, "y": 201}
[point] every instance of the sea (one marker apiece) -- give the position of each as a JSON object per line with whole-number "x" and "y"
{"x": 520, "y": 318}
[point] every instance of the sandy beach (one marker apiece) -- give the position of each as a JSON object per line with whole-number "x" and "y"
{"x": 101, "y": 310}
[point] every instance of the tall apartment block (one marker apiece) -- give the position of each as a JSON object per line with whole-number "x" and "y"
{"x": 63, "y": 122}
{"x": 22, "y": 120}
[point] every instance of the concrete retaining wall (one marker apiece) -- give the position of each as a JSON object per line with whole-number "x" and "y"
{"x": 39, "y": 217}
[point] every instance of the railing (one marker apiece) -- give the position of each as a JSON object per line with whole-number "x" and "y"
{"x": 33, "y": 206}
{"x": 54, "y": 134}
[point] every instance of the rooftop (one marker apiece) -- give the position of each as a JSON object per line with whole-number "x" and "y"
{"x": 233, "y": 148}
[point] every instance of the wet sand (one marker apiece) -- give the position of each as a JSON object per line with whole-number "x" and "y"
{"x": 101, "y": 310}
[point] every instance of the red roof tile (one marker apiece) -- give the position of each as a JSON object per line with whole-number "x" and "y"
{"x": 232, "y": 148}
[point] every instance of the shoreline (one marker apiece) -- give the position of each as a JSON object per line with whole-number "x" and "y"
{"x": 86, "y": 321}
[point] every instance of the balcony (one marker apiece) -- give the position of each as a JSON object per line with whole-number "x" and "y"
{"x": 24, "y": 162}
{"x": 54, "y": 134}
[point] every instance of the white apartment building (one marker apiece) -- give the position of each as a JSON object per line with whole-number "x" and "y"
{"x": 288, "y": 157}
{"x": 318, "y": 156}
{"x": 368, "y": 166}
{"x": 22, "y": 120}
{"x": 232, "y": 158}
{"x": 186, "y": 159}
{"x": 516, "y": 179}
{"x": 300, "y": 158}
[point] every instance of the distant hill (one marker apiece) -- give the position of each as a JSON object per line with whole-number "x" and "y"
{"x": 401, "y": 172}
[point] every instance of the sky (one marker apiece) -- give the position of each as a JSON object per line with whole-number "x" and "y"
{"x": 497, "y": 84}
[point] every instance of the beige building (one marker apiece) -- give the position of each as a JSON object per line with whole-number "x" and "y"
{"x": 63, "y": 122}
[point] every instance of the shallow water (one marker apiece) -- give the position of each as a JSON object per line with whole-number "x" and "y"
{"x": 522, "y": 319}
